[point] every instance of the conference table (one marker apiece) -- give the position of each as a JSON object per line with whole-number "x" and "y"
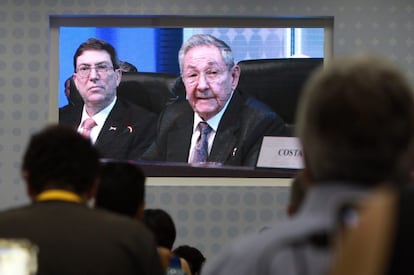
{"x": 210, "y": 170}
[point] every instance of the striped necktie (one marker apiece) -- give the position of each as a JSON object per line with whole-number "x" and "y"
{"x": 201, "y": 148}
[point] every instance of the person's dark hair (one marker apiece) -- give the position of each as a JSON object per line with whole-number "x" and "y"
{"x": 121, "y": 188}
{"x": 193, "y": 256}
{"x": 72, "y": 94}
{"x": 127, "y": 67}
{"x": 161, "y": 224}
{"x": 206, "y": 40}
{"x": 99, "y": 45}
{"x": 356, "y": 121}
{"x": 59, "y": 157}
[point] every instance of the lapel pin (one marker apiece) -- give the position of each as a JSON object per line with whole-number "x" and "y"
{"x": 234, "y": 151}
{"x": 112, "y": 128}
{"x": 130, "y": 129}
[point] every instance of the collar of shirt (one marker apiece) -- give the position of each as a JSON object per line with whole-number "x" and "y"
{"x": 99, "y": 118}
{"x": 214, "y": 124}
{"x": 58, "y": 194}
{"x": 214, "y": 121}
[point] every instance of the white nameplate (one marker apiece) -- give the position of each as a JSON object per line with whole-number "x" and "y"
{"x": 280, "y": 152}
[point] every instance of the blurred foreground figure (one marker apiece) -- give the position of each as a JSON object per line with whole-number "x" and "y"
{"x": 121, "y": 189}
{"x": 356, "y": 124}
{"x": 382, "y": 242}
{"x": 60, "y": 168}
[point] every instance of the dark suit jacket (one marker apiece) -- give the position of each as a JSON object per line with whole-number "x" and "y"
{"x": 238, "y": 137}
{"x": 74, "y": 239}
{"x": 116, "y": 141}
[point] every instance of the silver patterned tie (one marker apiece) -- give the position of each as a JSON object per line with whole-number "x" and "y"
{"x": 201, "y": 148}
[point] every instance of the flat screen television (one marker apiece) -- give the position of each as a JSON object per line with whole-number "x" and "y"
{"x": 146, "y": 42}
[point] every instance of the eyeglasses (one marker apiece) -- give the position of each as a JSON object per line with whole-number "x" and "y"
{"x": 211, "y": 75}
{"x": 101, "y": 69}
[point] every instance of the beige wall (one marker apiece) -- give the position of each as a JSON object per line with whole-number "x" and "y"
{"x": 382, "y": 26}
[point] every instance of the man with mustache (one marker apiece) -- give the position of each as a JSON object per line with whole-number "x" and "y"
{"x": 229, "y": 125}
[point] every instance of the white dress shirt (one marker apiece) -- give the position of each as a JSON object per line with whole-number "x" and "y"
{"x": 99, "y": 118}
{"x": 214, "y": 124}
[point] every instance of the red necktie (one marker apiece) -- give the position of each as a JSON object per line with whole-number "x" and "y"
{"x": 87, "y": 126}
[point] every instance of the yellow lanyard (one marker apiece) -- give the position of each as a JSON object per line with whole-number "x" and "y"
{"x": 56, "y": 194}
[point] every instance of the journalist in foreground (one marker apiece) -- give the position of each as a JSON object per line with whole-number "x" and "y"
{"x": 60, "y": 168}
{"x": 356, "y": 123}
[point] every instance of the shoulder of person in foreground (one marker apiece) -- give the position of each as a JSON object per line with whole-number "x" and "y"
{"x": 367, "y": 248}
{"x": 137, "y": 237}
{"x": 268, "y": 251}
{"x": 232, "y": 259}
{"x": 240, "y": 256}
